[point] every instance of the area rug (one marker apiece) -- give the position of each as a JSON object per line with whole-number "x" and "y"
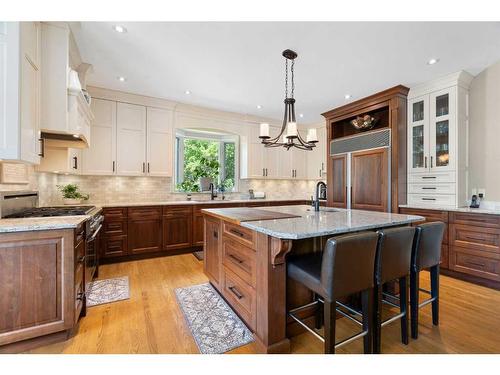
{"x": 108, "y": 290}
{"x": 214, "y": 325}
{"x": 198, "y": 255}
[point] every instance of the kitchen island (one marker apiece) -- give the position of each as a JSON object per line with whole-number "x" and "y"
{"x": 245, "y": 259}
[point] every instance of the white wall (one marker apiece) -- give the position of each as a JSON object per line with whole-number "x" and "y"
{"x": 484, "y": 132}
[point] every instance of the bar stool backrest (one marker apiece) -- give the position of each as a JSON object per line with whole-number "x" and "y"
{"x": 348, "y": 264}
{"x": 427, "y": 245}
{"x": 394, "y": 252}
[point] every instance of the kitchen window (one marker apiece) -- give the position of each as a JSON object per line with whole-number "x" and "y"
{"x": 205, "y": 155}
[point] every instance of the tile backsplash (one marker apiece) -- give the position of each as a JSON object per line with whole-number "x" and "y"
{"x": 111, "y": 189}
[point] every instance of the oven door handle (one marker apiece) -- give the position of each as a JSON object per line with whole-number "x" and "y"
{"x": 95, "y": 233}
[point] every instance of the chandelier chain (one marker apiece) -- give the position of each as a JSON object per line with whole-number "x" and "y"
{"x": 286, "y": 78}
{"x": 293, "y": 83}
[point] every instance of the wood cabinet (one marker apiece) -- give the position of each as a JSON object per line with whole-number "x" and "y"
{"x": 369, "y": 180}
{"x": 212, "y": 250}
{"x": 20, "y": 91}
{"x": 159, "y": 142}
{"x": 338, "y": 190}
{"x": 100, "y": 158}
{"x": 41, "y": 284}
{"x": 114, "y": 233}
{"x": 177, "y": 227}
{"x": 437, "y": 149}
{"x": 130, "y": 139}
{"x": 144, "y": 229}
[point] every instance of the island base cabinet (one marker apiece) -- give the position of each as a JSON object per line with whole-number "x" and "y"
{"x": 40, "y": 291}
{"x": 212, "y": 251}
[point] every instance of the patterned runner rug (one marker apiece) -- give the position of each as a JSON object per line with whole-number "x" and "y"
{"x": 214, "y": 325}
{"x": 108, "y": 290}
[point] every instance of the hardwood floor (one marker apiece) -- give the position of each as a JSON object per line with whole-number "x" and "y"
{"x": 151, "y": 321}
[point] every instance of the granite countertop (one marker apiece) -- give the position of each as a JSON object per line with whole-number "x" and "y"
{"x": 191, "y": 202}
{"x": 40, "y": 223}
{"x": 488, "y": 211}
{"x": 328, "y": 221}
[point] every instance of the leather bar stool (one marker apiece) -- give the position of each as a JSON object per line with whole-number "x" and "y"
{"x": 392, "y": 262}
{"x": 344, "y": 268}
{"x": 426, "y": 255}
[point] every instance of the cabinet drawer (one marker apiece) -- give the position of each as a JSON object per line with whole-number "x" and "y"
{"x": 476, "y": 263}
{"x": 430, "y": 216}
{"x": 79, "y": 234}
{"x": 144, "y": 213}
{"x": 435, "y": 177}
{"x": 79, "y": 254}
{"x": 241, "y": 297}
{"x": 432, "y": 188}
{"x": 242, "y": 235}
{"x": 114, "y": 246}
{"x": 478, "y": 238}
{"x": 172, "y": 211}
{"x": 240, "y": 260}
{"x": 79, "y": 299}
{"x": 481, "y": 220}
{"x": 115, "y": 228}
{"x": 431, "y": 200}
{"x": 114, "y": 213}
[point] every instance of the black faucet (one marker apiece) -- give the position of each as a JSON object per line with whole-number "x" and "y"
{"x": 213, "y": 192}
{"x": 320, "y": 185}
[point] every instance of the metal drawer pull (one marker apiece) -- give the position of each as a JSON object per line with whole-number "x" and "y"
{"x": 79, "y": 296}
{"x": 425, "y": 163}
{"x": 428, "y": 177}
{"x": 236, "y": 258}
{"x": 81, "y": 259}
{"x": 428, "y": 199}
{"x": 236, "y": 292}
{"x": 238, "y": 233}
{"x": 216, "y": 234}
{"x": 429, "y": 188}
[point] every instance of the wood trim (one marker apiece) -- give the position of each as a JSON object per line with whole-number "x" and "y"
{"x": 279, "y": 249}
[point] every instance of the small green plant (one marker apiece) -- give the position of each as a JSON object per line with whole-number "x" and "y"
{"x": 70, "y": 191}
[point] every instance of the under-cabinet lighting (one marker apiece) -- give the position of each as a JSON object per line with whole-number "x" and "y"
{"x": 119, "y": 29}
{"x": 347, "y": 96}
{"x": 121, "y": 79}
{"x": 432, "y": 61}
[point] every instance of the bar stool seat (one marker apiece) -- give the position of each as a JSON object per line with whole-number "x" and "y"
{"x": 345, "y": 267}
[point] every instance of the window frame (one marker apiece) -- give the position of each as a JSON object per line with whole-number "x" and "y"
{"x": 205, "y": 135}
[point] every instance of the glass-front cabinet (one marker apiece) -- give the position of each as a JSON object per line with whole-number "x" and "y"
{"x": 431, "y": 132}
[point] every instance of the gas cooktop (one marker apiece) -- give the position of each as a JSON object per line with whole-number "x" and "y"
{"x": 53, "y": 211}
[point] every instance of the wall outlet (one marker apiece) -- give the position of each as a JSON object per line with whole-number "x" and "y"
{"x": 481, "y": 191}
{"x": 474, "y": 191}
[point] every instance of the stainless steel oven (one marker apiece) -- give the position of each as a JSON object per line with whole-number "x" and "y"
{"x": 92, "y": 248}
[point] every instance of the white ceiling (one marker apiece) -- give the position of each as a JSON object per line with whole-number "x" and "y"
{"x": 237, "y": 66}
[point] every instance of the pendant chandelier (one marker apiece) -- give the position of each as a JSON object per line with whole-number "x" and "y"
{"x": 289, "y": 136}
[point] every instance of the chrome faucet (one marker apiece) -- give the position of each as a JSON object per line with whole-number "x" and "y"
{"x": 213, "y": 192}
{"x": 320, "y": 185}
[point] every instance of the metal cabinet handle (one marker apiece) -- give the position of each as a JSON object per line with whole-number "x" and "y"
{"x": 263, "y": 172}
{"x": 148, "y": 166}
{"x": 431, "y": 163}
{"x": 81, "y": 259}
{"x": 79, "y": 296}
{"x": 425, "y": 162}
{"x": 42, "y": 147}
{"x": 238, "y": 260}
{"x": 236, "y": 292}
{"x": 75, "y": 162}
{"x": 234, "y": 231}
{"x": 428, "y": 188}
{"x": 216, "y": 234}
{"x": 428, "y": 199}
{"x": 143, "y": 167}
{"x": 428, "y": 177}
{"x": 266, "y": 172}
{"x": 113, "y": 166}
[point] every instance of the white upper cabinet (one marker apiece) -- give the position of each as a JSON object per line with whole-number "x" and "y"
{"x": 316, "y": 158}
{"x": 299, "y": 163}
{"x": 159, "y": 142}
{"x": 100, "y": 157}
{"x": 20, "y": 91}
{"x": 130, "y": 139}
{"x": 437, "y": 141}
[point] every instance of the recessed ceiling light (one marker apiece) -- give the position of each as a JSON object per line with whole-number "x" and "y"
{"x": 347, "y": 96}
{"x": 259, "y": 106}
{"x": 432, "y": 61}
{"x": 187, "y": 92}
{"x": 301, "y": 115}
{"x": 119, "y": 29}
{"x": 121, "y": 79}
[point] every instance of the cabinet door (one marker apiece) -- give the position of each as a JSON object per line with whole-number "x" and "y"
{"x": 442, "y": 130}
{"x": 418, "y": 135}
{"x": 212, "y": 250}
{"x": 255, "y": 160}
{"x": 177, "y": 230}
{"x": 130, "y": 139}
{"x": 369, "y": 180}
{"x": 284, "y": 163}
{"x": 299, "y": 163}
{"x": 272, "y": 157}
{"x": 144, "y": 235}
{"x": 338, "y": 192}
{"x": 159, "y": 142}
{"x": 100, "y": 158}
{"x": 30, "y": 118}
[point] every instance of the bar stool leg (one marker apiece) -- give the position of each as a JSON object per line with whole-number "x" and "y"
{"x": 367, "y": 310}
{"x": 403, "y": 308}
{"x": 435, "y": 294}
{"x": 414, "y": 293}
{"x": 330, "y": 317}
{"x": 377, "y": 318}
{"x": 318, "y": 316}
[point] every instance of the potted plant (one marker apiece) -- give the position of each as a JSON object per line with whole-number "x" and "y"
{"x": 71, "y": 195}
